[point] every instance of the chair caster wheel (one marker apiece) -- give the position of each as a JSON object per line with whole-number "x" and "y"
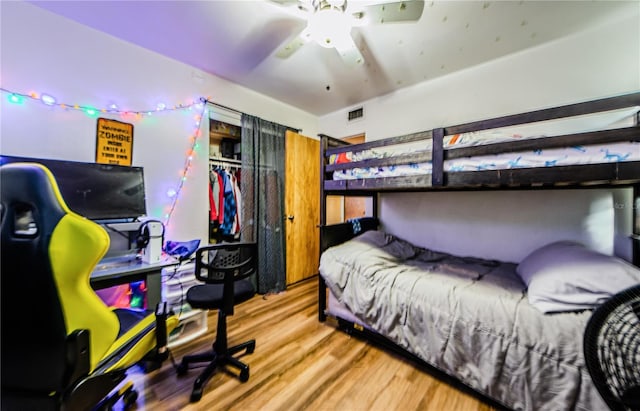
{"x": 196, "y": 394}
{"x": 251, "y": 347}
{"x": 182, "y": 369}
{"x": 150, "y": 365}
{"x": 130, "y": 398}
{"x": 244, "y": 375}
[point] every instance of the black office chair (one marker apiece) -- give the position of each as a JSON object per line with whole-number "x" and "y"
{"x": 62, "y": 347}
{"x": 226, "y": 270}
{"x": 612, "y": 349}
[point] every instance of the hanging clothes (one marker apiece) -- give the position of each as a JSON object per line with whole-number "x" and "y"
{"x": 220, "y": 195}
{"x": 238, "y": 199}
{"x": 215, "y": 197}
{"x": 225, "y": 202}
{"x": 229, "y": 206}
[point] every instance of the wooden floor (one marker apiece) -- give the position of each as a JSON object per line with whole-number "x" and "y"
{"x": 300, "y": 363}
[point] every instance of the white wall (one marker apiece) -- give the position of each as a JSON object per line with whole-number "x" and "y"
{"x": 599, "y": 62}
{"x": 505, "y": 225}
{"x": 45, "y": 53}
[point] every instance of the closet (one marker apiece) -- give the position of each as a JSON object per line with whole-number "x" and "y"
{"x": 225, "y": 200}
{"x": 301, "y": 192}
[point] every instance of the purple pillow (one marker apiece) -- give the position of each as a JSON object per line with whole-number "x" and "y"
{"x": 566, "y": 276}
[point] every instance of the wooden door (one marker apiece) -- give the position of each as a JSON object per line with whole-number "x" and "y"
{"x": 302, "y": 206}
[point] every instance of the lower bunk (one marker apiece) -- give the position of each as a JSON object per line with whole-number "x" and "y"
{"x": 470, "y": 318}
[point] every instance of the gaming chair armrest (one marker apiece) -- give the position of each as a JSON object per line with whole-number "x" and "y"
{"x": 162, "y": 313}
{"x": 154, "y": 359}
{"x": 78, "y": 355}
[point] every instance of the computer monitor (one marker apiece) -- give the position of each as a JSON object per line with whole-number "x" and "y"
{"x": 101, "y": 192}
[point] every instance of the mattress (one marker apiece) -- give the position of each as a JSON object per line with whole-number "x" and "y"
{"x": 466, "y": 316}
{"x": 576, "y": 155}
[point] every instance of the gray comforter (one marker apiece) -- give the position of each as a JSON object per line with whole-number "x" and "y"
{"x": 467, "y": 317}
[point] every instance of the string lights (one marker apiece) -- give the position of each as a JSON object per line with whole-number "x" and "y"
{"x": 193, "y": 138}
{"x": 49, "y": 100}
{"x": 199, "y": 106}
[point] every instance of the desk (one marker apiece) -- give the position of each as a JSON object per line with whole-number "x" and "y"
{"x": 124, "y": 270}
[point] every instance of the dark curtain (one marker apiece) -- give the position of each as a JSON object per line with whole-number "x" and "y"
{"x": 262, "y": 187}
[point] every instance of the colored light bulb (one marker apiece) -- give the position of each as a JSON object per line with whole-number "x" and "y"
{"x": 15, "y": 99}
{"x": 48, "y": 100}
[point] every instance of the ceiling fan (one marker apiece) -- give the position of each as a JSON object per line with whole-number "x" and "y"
{"x": 329, "y": 22}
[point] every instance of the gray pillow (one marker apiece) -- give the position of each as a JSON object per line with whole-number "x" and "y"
{"x": 566, "y": 276}
{"x": 389, "y": 243}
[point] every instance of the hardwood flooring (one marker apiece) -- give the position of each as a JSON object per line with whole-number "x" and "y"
{"x": 300, "y": 364}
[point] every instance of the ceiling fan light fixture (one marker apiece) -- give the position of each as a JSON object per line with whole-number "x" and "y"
{"x": 329, "y": 27}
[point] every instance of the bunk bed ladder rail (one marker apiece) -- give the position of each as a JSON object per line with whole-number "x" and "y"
{"x": 325, "y": 142}
{"x": 437, "y": 158}
{"x": 635, "y": 236}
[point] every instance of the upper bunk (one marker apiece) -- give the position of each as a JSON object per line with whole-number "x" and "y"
{"x": 594, "y": 143}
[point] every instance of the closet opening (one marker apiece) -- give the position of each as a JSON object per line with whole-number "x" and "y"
{"x": 225, "y": 197}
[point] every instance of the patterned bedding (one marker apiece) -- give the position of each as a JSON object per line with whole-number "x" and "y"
{"x": 593, "y": 154}
{"x": 466, "y": 316}
{"x": 577, "y": 155}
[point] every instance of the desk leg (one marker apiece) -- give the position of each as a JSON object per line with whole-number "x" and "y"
{"x": 154, "y": 289}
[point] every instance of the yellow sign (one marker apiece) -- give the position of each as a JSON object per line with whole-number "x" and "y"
{"x": 114, "y": 142}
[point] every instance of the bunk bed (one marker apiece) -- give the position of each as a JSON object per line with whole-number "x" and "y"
{"x": 470, "y": 321}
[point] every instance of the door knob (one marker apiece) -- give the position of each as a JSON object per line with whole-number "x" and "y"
{"x": 290, "y": 217}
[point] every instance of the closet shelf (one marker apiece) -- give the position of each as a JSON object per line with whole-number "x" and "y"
{"x": 224, "y": 160}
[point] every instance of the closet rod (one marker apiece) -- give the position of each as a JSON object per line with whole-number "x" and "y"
{"x": 207, "y": 101}
{"x": 225, "y": 165}
{"x": 237, "y": 163}
{"x": 224, "y": 160}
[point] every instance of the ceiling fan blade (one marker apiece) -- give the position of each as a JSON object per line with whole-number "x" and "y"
{"x": 350, "y": 53}
{"x": 410, "y": 10}
{"x": 293, "y": 45}
{"x": 296, "y": 8}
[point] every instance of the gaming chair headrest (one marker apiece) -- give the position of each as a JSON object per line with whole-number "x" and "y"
{"x": 31, "y": 204}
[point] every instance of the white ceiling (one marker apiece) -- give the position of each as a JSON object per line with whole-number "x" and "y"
{"x": 237, "y": 40}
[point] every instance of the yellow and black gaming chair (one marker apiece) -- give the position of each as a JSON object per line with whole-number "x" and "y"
{"x": 62, "y": 347}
